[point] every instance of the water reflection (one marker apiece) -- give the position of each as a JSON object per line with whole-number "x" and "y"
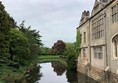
{"x": 85, "y": 79}
{"x": 32, "y": 76}
{"x": 71, "y": 76}
{"x": 58, "y": 68}
{"x": 48, "y": 71}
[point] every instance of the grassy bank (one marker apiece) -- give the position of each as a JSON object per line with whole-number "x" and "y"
{"x": 48, "y": 58}
{"x": 11, "y": 75}
{"x": 51, "y": 58}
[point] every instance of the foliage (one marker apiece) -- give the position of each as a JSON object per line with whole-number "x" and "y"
{"x": 44, "y": 51}
{"x": 6, "y": 22}
{"x": 19, "y": 46}
{"x": 33, "y": 39}
{"x": 78, "y": 41}
{"x": 70, "y": 53}
{"x": 58, "y": 47}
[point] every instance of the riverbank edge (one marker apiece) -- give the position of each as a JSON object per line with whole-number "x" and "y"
{"x": 12, "y": 76}
{"x": 54, "y": 58}
{"x": 97, "y": 74}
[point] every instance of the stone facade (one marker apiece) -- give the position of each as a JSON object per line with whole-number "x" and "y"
{"x": 99, "y": 41}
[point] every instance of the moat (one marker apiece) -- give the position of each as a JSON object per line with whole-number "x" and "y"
{"x": 54, "y": 72}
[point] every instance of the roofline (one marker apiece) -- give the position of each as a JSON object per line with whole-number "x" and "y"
{"x": 96, "y": 13}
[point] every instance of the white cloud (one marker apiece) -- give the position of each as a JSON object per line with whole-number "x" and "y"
{"x": 56, "y": 19}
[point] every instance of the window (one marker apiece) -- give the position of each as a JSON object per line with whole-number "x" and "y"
{"x": 97, "y": 27}
{"x": 98, "y": 52}
{"x": 115, "y": 45}
{"x": 115, "y": 13}
{"x": 84, "y": 37}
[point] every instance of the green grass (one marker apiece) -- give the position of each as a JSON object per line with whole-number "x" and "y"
{"x": 1, "y": 81}
{"x": 49, "y": 58}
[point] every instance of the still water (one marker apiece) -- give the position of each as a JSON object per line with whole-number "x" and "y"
{"x": 55, "y": 72}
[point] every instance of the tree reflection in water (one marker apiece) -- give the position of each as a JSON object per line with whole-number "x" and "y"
{"x": 32, "y": 76}
{"x": 58, "y": 68}
{"x": 71, "y": 76}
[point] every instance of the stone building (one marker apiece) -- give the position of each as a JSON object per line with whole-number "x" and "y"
{"x": 99, "y": 41}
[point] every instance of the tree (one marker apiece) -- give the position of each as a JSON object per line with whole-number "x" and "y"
{"x": 44, "y": 51}
{"x": 58, "y": 47}
{"x": 19, "y": 47}
{"x": 6, "y": 22}
{"x": 34, "y": 39}
{"x": 70, "y": 54}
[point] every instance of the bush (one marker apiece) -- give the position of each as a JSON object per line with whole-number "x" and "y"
{"x": 70, "y": 54}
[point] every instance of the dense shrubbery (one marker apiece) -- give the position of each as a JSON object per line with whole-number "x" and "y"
{"x": 71, "y": 55}
{"x": 45, "y": 51}
{"x": 72, "y": 52}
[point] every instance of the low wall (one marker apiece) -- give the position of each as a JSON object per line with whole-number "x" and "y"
{"x": 97, "y": 74}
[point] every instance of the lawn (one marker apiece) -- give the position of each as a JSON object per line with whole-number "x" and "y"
{"x": 49, "y": 58}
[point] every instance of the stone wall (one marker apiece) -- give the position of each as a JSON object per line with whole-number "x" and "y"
{"x": 97, "y": 74}
{"x": 92, "y": 72}
{"x": 113, "y": 78}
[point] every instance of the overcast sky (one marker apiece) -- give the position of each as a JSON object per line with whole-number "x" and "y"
{"x": 55, "y": 19}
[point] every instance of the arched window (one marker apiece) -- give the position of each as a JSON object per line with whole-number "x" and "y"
{"x": 115, "y": 45}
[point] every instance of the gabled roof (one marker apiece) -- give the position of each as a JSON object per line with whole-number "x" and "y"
{"x": 98, "y": 5}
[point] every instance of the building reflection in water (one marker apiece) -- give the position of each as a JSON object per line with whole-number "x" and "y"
{"x": 72, "y": 76}
{"x": 84, "y": 79}
{"x": 34, "y": 75}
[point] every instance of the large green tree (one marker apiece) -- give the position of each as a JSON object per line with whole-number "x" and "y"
{"x": 19, "y": 46}
{"x": 6, "y": 22}
{"x": 34, "y": 39}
